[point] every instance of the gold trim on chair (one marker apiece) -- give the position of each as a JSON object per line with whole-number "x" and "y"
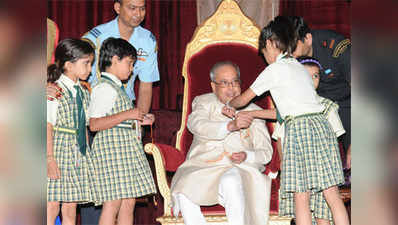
{"x": 160, "y": 177}
{"x": 227, "y": 25}
{"x": 52, "y": 39}
{"x": 211, "y": 220}
{"x": 221, "y": 220}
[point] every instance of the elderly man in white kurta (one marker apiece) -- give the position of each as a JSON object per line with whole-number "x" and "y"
{"x": 227, "y": 157}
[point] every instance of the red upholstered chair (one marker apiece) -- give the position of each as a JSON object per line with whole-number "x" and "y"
{"x": 226, "y": 35}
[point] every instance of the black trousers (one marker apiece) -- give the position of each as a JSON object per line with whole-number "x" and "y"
{"x": 345, "y": 116}
{"x": 89, "y": 214}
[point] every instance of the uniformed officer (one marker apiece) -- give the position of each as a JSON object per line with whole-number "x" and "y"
{"x": 333, "y": 51}
{"x": 127, "y": 26}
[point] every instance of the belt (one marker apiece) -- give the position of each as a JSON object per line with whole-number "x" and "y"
{"x": 127, "y": 125}
{"x": 291, "y": 118}
{"x": 66, "y": 130}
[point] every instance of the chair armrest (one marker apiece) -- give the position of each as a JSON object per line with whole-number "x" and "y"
{"x": 172, "y": 157}
{"x": 166, "y": 158}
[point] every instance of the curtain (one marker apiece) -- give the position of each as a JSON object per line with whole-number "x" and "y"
{"x": 326, "y": 14}
{"x": 75, "y": 17}
{"x": 172, "y": 22}
{"x": 261, "y": 11}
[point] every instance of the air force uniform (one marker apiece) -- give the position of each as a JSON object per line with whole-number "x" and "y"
{"x": 146, "y": 66}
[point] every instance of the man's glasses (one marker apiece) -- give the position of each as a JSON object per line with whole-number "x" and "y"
{"x": 224, "y": 83}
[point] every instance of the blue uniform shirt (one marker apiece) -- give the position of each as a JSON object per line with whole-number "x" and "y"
{"x": 146, "y": 66}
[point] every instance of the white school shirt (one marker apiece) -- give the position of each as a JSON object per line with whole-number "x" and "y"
{"x": 333, "y": 119}
{"x": 290, "y": 85}
{"x": 52, "y": 106}
{"x": 103, "y": 97}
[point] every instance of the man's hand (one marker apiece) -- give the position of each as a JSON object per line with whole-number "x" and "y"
{"x": 149, "y": 118}
{"x": 229, "y": 112}
{"x": 53, "y": 91}
{"x": 241, "y": 121}
{"x": 238, "y": 157}
{"x": 52, "y": 169}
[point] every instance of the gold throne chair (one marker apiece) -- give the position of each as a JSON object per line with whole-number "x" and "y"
{"x": 226, "y": 35}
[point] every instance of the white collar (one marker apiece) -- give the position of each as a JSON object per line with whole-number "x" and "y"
{"x": 69, "y": 83}
{"x": 113, "y": 78}
{"x": 280, "y": 56}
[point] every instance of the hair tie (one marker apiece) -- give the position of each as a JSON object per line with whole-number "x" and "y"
{"x": 311, "y": 61}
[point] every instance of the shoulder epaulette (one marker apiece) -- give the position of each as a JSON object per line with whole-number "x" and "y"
{"x": 95, "y": 32}
{"x": 88, "y": 40}
{"x": 341, "y": 47}
{"x": 153, "y": 37}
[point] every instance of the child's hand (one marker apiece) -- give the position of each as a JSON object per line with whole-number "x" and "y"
{"x": 135, "y": 114}
{"x": 229, "y": 112}
{"x": 238, "y": 157}
{"x": 53, "y": 91}
{"x": 53, "y": 171}
{"x": 149, "y": 118}
{"x": 241, "y": 121}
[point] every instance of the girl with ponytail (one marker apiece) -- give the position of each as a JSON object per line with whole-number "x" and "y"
{"x": 69, "y": 164}
{"x": 311, "y": 163}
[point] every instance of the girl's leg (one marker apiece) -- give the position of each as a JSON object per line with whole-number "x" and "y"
{"x": 109, "y": 212}
{"x": 320, "y": 221}
{"x": 339, "y": 212}
{"x": 52, "y": 212}
{"x": 302, "y": 208}
{"x": 126, "y": 212}
{"x": 68, "y": 211}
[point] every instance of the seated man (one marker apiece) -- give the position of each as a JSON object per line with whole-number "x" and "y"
{"x": 226, "y": 158}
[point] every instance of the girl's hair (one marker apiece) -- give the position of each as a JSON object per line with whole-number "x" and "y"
{"x": 310, "y": 61}
{"x": 300, "y": 26}
{"x": 67, "y": 50}
{"x": 115, "y": 46}
{"x": 281, "y": 31}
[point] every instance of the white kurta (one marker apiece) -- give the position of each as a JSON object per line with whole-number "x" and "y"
{"x": 198, "y": 177}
